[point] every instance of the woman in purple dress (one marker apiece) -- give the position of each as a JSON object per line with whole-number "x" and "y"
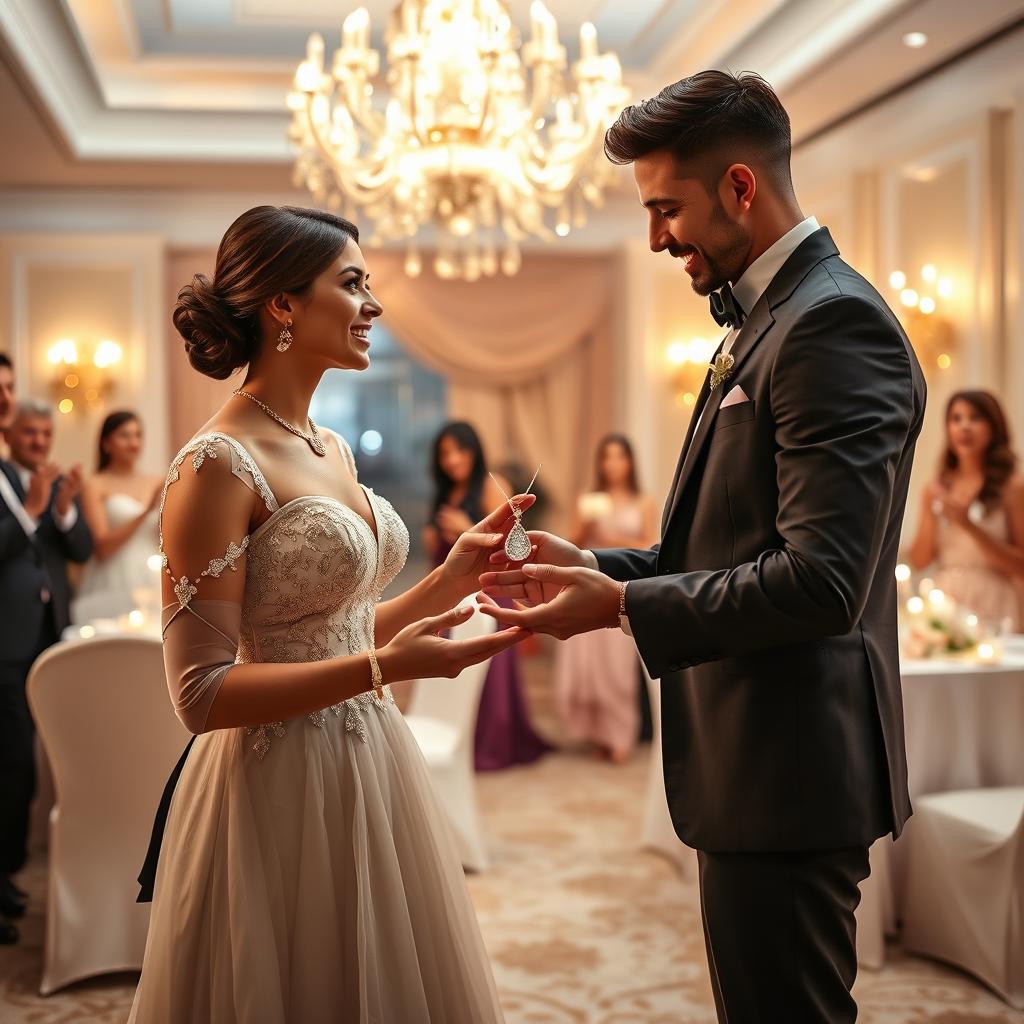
{"x": 463, "y": 489}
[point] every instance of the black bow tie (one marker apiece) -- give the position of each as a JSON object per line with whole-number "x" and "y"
{"x": 725, "y": 309}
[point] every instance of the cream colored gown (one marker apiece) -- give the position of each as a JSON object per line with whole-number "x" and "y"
{"x": 307, "y": 875}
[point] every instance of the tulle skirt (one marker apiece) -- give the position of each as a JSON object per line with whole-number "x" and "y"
{"x": 317, "y": 885}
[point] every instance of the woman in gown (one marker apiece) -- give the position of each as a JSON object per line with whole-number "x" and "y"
{"x": 596, "y": 673}
{"x": 120, "y": 506}
{"x": 971, "y": 526}
{"x": 462, "y": 489}
{"x": 306, "y": 872}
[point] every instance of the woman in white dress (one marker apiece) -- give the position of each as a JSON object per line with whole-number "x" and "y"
{"x": 306, "y": 874}
{"x": 120, "y": 507}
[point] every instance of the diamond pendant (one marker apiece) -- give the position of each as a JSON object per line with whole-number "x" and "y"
{"x": 517, "y": 544}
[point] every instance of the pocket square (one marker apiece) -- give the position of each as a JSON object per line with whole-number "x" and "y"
{"x": 735, "y": 397}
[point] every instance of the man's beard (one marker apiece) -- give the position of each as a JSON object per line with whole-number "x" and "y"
{"x": 724, "y": 261}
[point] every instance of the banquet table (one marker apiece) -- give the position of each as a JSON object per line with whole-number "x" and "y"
{"x": 964, "y": 724}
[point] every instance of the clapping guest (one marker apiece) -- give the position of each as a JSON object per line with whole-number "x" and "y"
{"x": 463, "y": 489}
{"x": 972, "y": 517}
{"x": 41, "y": 530}
{"x": 596, "y": 673}
{"x": 120, "y": 506}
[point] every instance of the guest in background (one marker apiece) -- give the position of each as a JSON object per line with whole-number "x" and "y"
{"x": 596, "y": 673}
{"x": 6, "y": 399}
{"x": 972, "y": 516}
{"x": 463, "y": 489}
{"x": 41, "y": 529}
{"x": 120, "y": 506}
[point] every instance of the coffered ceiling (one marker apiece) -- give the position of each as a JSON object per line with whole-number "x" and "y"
{"x": 203, "y": 81}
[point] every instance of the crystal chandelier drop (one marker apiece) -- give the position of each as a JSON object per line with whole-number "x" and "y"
{"x": 487, "y": 144}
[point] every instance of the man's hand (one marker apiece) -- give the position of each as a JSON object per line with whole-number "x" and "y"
{"x": 548, "y": 550}
{"x": 581, "y": 599}
{"x": 68, "y": 489}
{"x": 40, "y": 487}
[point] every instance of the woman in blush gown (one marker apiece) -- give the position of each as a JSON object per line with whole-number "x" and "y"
{"x": 596, "y": 673}
{"x": 462, "y": 488}
{"x": 306, "y": 872}
{"x": 971, "y": 529}
{"x": 119, "y": 504}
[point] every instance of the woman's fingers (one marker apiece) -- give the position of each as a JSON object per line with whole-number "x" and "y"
{"x": 502, "y": 514}
{"x": 452, "y": 617}
{"x": 475, "y": 650}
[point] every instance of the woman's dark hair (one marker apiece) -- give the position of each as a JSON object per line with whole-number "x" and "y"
{"x": 466, "y": 437}
{"x": 600, "y": 484}
{"x": 268, "y": 250}
{"x": 5, "y": 360}
{"x": 1000, "y": 460}
{"x": 708, "y": 113}
{"x": 113, "y": 422}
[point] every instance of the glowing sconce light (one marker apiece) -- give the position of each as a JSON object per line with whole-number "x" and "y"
{"x": 79, "y": 380}
{"x": 689, "y": 361}
{"x": 931, "y": 333}
{"x": 107, "y": 354}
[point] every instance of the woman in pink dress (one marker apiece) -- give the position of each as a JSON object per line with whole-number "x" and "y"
{"x": 972, "y": 516}
{"x": 596, "y": 673}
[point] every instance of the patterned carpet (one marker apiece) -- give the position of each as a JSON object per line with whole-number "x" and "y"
{"x": 583, "y": 927}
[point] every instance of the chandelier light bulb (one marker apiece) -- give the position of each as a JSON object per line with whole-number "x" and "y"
{"x": 927, "y": 304}
{"x": 929, "y": 274}
{"x": 897, "y": 279}
{"x": 945, "y": 287}
{"x": 909, "y": 297}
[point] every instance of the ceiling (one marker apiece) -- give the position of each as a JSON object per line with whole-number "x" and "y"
{"x": 174, "y": 91}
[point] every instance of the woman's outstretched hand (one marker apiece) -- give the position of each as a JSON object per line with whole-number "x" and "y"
{"x": 471, "y": 554}
{"x": 418, "y": 652}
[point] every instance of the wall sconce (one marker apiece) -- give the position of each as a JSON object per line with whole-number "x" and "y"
{"x": 79, "y": 383}
{"x": 689, "y": 361}
{"x": 930, "y": 331}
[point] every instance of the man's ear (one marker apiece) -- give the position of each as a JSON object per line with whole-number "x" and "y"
{"x": 739, "y": 184}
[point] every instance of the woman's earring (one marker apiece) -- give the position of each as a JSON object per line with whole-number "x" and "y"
{"x": 285, "y": 339}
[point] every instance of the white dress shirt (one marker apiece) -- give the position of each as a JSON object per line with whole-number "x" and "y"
{"x": 753, "y": 283}
{"x": 28, "y": 523}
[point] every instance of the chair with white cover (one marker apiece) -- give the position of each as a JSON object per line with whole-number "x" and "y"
{"x": 964, "y": 900}
{"x": 442, "y": 717}
{"x": 112, "y": 738}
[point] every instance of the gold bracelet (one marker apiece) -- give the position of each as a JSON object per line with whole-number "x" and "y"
{"x": 376, "y": 676}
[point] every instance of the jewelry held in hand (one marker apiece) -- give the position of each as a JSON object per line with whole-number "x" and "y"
{"x": 517, "y": 543}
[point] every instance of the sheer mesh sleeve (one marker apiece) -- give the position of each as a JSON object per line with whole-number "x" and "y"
{"x": 204, "y": 521}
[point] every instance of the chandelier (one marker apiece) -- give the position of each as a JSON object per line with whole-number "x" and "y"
{"x": 486, "y": 144}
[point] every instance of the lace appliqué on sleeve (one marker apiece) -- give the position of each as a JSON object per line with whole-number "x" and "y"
{"x": 212, "y": 446}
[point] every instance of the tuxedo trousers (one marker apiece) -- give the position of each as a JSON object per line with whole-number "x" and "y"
{"x": 780, "y": 934}
{"x": 17, "y": 755}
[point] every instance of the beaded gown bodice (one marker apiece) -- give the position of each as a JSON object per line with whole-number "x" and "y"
{"x": 314, "y": 574}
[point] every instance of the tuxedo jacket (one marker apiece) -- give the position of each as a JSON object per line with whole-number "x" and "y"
{"x": 768, "y": 609}
{"x": 30, "y": 565}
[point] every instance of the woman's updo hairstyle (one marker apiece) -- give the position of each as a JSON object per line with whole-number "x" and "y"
{"x": 268, "y": 250}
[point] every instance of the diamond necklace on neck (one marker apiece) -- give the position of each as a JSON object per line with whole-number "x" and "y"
{"x": 312, "y": 439}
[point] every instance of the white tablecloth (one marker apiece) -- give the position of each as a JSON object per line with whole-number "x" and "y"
{"x": 964, "y": 726}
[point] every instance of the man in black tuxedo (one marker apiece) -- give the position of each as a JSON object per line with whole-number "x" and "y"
{"x": 41, "y": 529}
{"x": 768, "y": 610}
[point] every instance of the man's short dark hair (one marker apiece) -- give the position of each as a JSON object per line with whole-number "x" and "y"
{"x": 708, "y": 113}
{"x": 5, "y": 360}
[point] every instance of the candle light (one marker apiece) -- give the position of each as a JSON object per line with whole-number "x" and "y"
{"x": 986, "y": 652}
{"x": 136, "y": 619}
{"x": 588, "y": 41}
{"x": 915, "y": 606}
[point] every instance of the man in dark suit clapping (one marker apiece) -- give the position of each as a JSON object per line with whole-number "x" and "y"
{"x": 41, "y": 529}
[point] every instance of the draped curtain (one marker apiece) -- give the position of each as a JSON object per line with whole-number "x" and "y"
{"x": 527, "y": 358}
